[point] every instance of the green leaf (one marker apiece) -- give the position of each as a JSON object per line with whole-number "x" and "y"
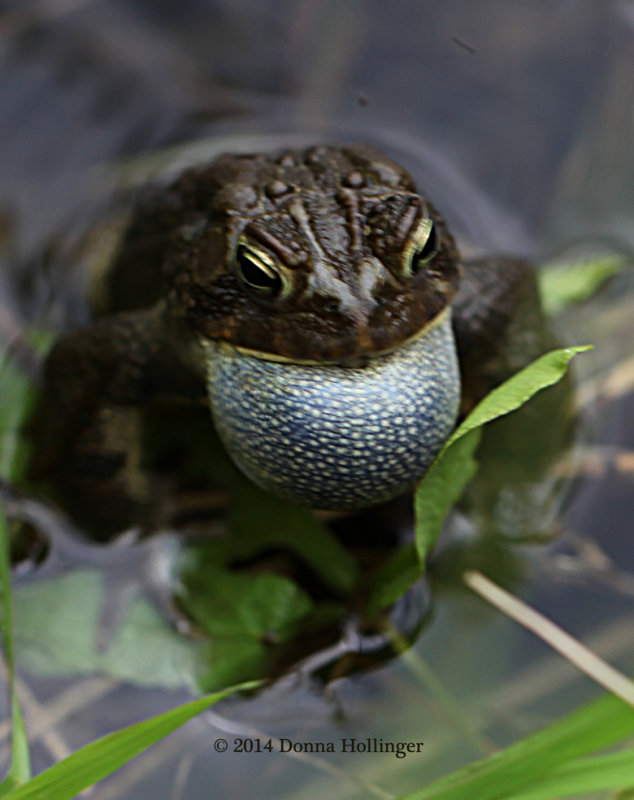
{"x": 513, "y": 393}
{"x": 58, "y": 621}
{"x": 443, "y": 483}
{"x": 533, "y": 759}
{"x": 393, "y": 579}
{"x": 260, "y": 521}
{"x": 441, "y": 488}
{"x": 228, "y": 604}
{"x": 243, "y": 615}
{"x": 232, "y": 658}
{"x": 103, "y": 756}
{"x": 565, "y": 285}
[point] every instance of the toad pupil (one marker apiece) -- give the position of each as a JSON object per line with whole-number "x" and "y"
{"x": 256, "y": 273}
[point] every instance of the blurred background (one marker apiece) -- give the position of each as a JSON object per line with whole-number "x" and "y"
{"x": 528, "y": 104}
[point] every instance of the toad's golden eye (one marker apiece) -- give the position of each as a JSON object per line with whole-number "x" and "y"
{"x": 421, "y": 248}
{"x": 256, "y": 271}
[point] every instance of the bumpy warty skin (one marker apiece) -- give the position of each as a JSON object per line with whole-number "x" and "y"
{"x": 311, "y": 291}
{"x": 336, "y": 437}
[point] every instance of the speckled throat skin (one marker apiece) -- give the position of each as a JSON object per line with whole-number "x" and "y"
{"x": 335, "y": 437}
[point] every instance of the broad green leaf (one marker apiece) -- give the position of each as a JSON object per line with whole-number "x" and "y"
{"x": 232, "y": 658}
{"x": 101, "y": 758}
{"x": 598, "y": 774}
{"x": 450, "y": 472}
{"x": 244, "y": 616}
{"x": 598, "y": 725}
{"x": 229, "y": 604}
{"x": 563, "y": 285}
{"x": 58, "y": 621}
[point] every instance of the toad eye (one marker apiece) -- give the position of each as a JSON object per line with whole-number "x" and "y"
{"x": 257, "y": 271}
{"x": 422, "y": 247}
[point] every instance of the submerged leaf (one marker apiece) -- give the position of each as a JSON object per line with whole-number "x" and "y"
{"x": 58, "y": 623}
{"x": 259, "y": 520}
{"x": 563, "y": 285}
{"x": 257, "y": 606}
{"x": 244, "y": 617}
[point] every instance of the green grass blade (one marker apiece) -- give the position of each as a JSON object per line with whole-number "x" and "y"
{"x": 14, "y": 396}
{"x": 521, "y": 766}
{"x": 20, "y": 767}
{"x": 600, "y": 774}
{"x": 102, "y": 757}
{"x": 452, "y": 469}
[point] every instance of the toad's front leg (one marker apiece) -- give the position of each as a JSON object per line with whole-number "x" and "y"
{"x": 88, "y": 426}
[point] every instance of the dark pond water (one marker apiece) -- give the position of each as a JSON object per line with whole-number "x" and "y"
{"x": 517, "y": 118}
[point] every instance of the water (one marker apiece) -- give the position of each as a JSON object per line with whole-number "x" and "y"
{"x": 517, "y": 120}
